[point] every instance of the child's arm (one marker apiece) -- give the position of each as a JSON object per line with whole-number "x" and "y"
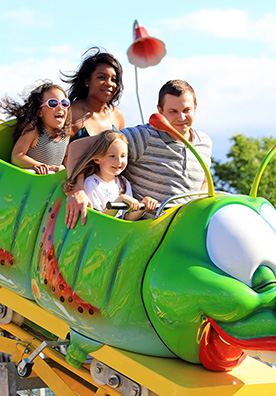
{"x": 130, "y": 201}
{"x": 19, "y": 157}
{"x": 150, "y": 204}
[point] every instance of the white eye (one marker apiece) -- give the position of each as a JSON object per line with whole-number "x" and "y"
{"x": 239, "y": 240}
{"x": 269, "y": 214}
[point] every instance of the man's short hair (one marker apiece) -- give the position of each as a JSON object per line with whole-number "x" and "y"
{"x": 175, "y": 88}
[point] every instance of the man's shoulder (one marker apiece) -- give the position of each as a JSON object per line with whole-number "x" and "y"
{"x": 139, "y": 137}
{"x": 141, "y": 129}
{"x": 202, "y": 137}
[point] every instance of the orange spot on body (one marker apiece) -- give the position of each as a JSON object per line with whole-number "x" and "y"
{"x": 6, "y": 258}
{"x": 50, "y": 274}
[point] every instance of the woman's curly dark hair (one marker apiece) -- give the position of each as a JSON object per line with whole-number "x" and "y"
{"x": 27, "y": 113}
{"x": 93, "y": 57}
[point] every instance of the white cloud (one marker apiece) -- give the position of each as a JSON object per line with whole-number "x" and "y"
{"x": 232, "y": 23}
{"x": 61, "y": 50}
{"x": 225, "y": 82}
{"x": 21, "y": 77}
{"x": 234, "y": 93}
{"x": 25, "y": 17}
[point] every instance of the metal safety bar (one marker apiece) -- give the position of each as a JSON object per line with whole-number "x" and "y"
{"x": 24, "y": 367}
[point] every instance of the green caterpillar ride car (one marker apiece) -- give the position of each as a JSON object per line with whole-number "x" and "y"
{"x": 197, "y": 281}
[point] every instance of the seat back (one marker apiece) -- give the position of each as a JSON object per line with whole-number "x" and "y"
{"x": 6, "y": 139}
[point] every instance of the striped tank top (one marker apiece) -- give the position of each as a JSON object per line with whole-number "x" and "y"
{"x": 48, "y": 151}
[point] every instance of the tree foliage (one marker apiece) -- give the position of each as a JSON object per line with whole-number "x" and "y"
{"x": 236, "y": 175}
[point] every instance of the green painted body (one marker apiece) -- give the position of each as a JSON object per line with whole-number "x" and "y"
{"x": 106, "y": 275}
{"x": 148, "y": 286}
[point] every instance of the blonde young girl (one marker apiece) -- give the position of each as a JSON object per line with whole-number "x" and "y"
{"x": 101, "y": 166}
{"x": 42, "y": 130}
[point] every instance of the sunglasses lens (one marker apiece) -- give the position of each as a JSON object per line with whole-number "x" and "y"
{"x": 65, "y": 102}
{"x": 52, "y": 103}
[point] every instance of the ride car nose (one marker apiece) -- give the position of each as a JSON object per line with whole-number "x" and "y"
{"x": 264, "y": 279}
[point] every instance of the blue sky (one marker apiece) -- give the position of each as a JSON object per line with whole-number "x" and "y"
{"x": 225, "y": 50}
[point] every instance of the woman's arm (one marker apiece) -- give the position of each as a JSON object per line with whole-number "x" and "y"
{"x": 77, "y": 117}
{"x": 76, "y": 203}
{"x": 118, "y": 118}
{"x": 75, "y": 151}
{"x": 77, "y": 200}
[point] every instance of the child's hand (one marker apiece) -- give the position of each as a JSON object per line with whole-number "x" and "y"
{"x": 56, "y": 168}
{"x": 130, "y": 201}
{"x": 42, "y": 169}
{"x": 150, "y": 203}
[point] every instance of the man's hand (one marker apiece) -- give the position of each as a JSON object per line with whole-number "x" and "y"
{"x": 76, "y": 203}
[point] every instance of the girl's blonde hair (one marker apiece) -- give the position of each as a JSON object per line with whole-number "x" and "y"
{"x": 97, "y": 149}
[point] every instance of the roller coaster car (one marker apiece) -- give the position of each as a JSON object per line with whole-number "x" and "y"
{"x": 197, "y": 281}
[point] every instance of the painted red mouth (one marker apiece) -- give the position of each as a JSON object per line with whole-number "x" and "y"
{"x": 221, "y": 352}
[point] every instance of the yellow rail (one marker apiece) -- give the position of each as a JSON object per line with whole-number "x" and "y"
{"x": 163, "y": 377}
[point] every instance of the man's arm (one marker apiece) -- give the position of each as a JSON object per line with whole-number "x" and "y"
{"x": 77, "y": 201}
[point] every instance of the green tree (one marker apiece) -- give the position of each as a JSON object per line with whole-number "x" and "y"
{"x": 236, "y": 175}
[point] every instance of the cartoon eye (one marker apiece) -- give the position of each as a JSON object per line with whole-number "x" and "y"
{"x": 239, "y": 240}
{"x": 269, "y": 214}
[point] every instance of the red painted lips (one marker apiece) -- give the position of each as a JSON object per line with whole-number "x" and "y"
{"x": 221, "y": 352}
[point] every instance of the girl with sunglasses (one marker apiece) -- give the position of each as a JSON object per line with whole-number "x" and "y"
{"x": 43, "y": 128}
{"x": 101, "y": 166}
{"x": 95, "y": 89}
